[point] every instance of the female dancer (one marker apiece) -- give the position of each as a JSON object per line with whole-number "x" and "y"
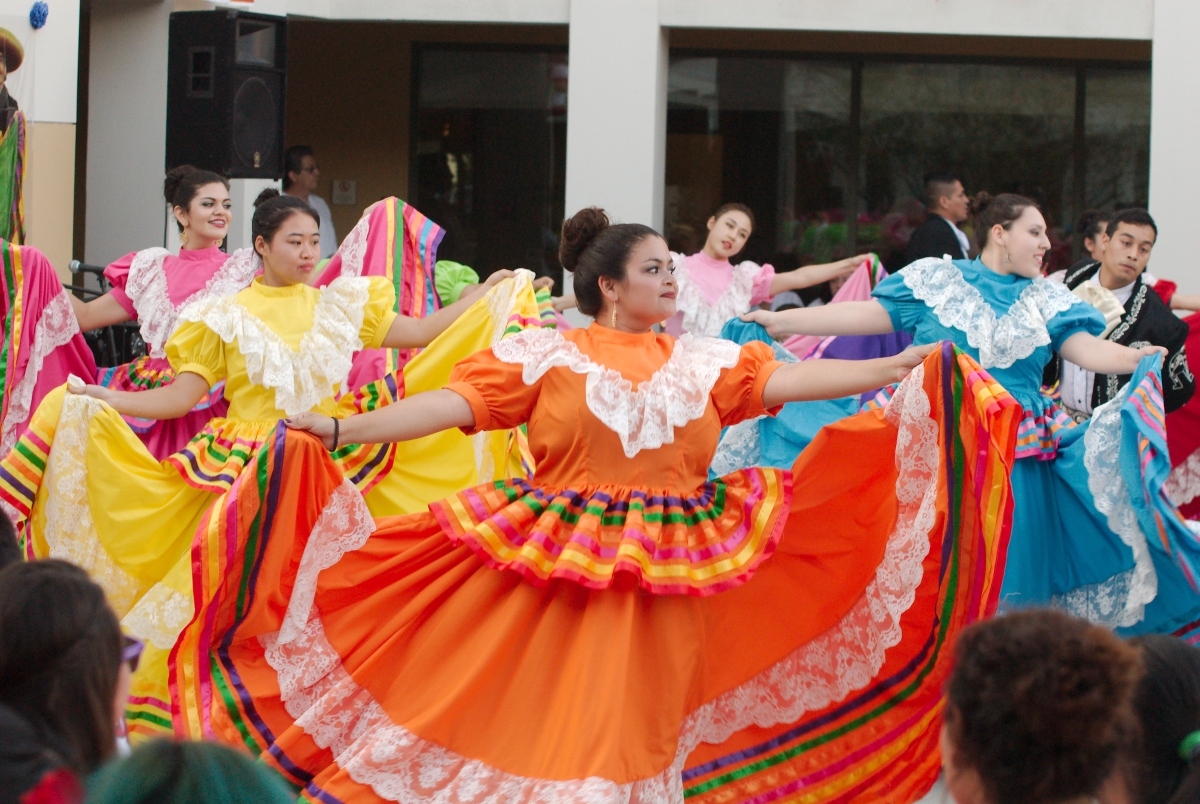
{"x": 712, "y": 290}
{"x": 83, "y": 487}
{"x": 575, "y": 637}
{"x": 152, "y": 286}
{"x": 1085, "y": 536}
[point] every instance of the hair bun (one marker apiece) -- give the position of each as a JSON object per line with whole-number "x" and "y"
{"x": 980, "y": 202}
{"x": 174, "y": 177}
{"x": 578, "y": 232}
{"x": 265, "y": 195}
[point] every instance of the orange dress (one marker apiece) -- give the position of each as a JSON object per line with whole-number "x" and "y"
{"x": 577, "y": 637}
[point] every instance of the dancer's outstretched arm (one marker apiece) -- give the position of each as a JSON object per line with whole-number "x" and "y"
{"x": 101, "y": 312}
{"x": 408, "y": 333}
{"x": 830, "y": 379}
{"x": 846, "y": 318}
{"x": 808, "y": 275}
{"x": 1105, "y": 357}
{"x": 167, "y": 402}
{"x": 413, "y": 417}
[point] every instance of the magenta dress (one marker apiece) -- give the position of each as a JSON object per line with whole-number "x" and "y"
{"x": 153, "y": 285}
{"x": 42, "y": 342}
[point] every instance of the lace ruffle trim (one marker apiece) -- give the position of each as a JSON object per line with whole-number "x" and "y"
{"x": 399, "y": 766}
{"x": 302, "y": 377}
{"x": 703, "y": 319}
{"x": 645, "y": 418}
{"x": 1183, "y": 484}
{"x": 56, "y": 327}
{"x": 1120, "y": 601}
{"x": 147, "y": 289}
{"x": 1002, "y": 340}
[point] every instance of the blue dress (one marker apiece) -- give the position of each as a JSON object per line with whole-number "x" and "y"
{"x": 1092, "y": 530}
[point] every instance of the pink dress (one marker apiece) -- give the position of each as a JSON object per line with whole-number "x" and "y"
{"x": 713, "y": 291}
{"x": 42, "y": 341}
{"x": 153, "y": 285}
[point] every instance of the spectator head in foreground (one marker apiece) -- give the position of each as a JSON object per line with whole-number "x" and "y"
{"x": 169, "y": 772}
{"x": 1162, "y": 766}
{"x": 61, "y": 673}
{"x": 1038, "y": 707}
{"x": 10, "y": 548}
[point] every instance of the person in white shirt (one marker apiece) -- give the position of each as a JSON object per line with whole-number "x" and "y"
{"x": 300, "y": 179}
{"x": 1135, "y": 316}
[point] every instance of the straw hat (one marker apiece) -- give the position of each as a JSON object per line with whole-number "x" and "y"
{"x": 14, "y": 54}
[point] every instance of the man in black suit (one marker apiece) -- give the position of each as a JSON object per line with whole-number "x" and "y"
{"x": 938, "y": 235}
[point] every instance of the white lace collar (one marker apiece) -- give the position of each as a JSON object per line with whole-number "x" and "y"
{"x": 706, "y": 320}
{"x": 301, "y": 378}
{"x": 644, "y": 418}
{"x": 1002, "y": 340}
{"x": 146, "y": 287}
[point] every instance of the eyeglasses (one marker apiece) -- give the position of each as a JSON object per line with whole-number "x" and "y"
{"x": 131, "y": 651}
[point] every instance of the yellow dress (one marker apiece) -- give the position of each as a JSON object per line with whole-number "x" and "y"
{"x": 100, "y": 500}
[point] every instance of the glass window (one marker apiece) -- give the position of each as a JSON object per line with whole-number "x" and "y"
{"x": 770, "y": 133}
{"x": 1117, "y": 132}
{"x": 1000, "y": 128}
{"x": 490, "y": 155}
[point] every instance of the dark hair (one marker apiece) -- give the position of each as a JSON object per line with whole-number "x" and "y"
{"x": 1167, "y": 704}
{"x": 1134, "y": 217}
{"x": 180, "y": 772}
{"x": 293, "y": 162}
{"x": 183, "y": 184}
{"x": 591, "y": 247}
{"x": 937, "y": 185}
{"x": 61, "y": 657}
{"x": 10, "y": 548}
{"x": 1039, "y": 705}
{"x": 271, "y": 210}
{"x": 735, "y": 207}
{"x": 1090, "y": 223}
{"x": 683, "y": 239}
{"x": 1002, "y": 209}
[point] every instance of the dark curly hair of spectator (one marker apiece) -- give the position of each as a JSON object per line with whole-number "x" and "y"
{"x": 1039, "y": 705}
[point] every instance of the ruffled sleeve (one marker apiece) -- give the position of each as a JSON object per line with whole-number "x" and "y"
{"x": 905, "y": 309}
{"x": 496, "y": 391}
{"x": 451, "y": 278}
{"x": 378, "y": 313}
{"x": 1079, "y": 317}
{"x": 737, "y": 394}
{"x": 760, "y": 291}
{"x": 118, "y": 274}
{"x": 196, "y": 348}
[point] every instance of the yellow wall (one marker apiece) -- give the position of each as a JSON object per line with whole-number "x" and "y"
{"x": 50, "y": 192}
{"x": 349, "y": 96}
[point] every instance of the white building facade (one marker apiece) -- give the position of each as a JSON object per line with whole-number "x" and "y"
{"x": 498, "y": 117}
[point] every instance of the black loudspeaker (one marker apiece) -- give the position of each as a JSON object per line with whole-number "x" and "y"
{"x": 226, "y": 79}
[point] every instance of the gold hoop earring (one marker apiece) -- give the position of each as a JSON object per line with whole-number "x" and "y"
{"x": 183, "y": 237}
{"x": 614, "y": 314}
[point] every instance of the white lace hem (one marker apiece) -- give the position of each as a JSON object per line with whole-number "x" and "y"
{"x": 354, "y": 248}
{"x": 146, "y": 287}
{"x": 1183, "y": 484}
{"x": 705, "y": 320}
{"x": 1120, "y": 601}
{"x": 301, "y": 378}
{"x": 1003, "y": 340}
{"x": 645, "y": 418}
{"x": 70, "y": 531}
{"x": 159, "y": 616}
{"x": 56, "y": 327}
{"x": 340, "y": 715}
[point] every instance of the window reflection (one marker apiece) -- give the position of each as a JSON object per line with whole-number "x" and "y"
{"x": 1000, "y": 128}
{"x": 1117, "y": 131}
{"x": 490, "y": 155}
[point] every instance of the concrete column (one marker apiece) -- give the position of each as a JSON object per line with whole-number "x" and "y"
{"x": 1174, "y": 126}
{"x": 617, "y": 110}
{"x": 127, "y": 128}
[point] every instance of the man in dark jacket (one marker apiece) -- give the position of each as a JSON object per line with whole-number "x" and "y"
{"x": 1144, "y": 319}
{"x": 947, "y": 204}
